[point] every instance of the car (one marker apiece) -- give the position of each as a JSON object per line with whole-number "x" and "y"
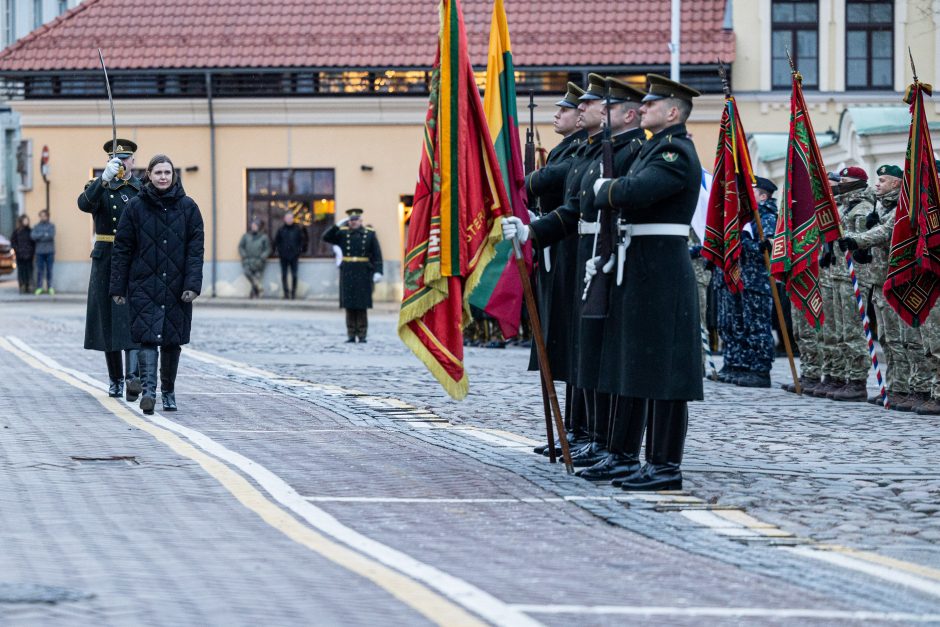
{"x": 7, "y": 260}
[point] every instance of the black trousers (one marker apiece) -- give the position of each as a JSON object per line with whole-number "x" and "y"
{"x": 357, "y": 323}
{"x": 289, "y": 264}
{"x": 24, "y": 273}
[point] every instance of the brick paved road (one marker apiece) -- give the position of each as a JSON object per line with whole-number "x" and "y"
{"x": 165, "y": 541}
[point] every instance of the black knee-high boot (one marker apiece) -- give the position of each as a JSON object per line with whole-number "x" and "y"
{"x": 669, "y": 423}
{"x": 132, "y": 370}
{"x": 629, "y": 416}
{"x": 169, "y": 364}
{"x": 115, "y": 373}
{"x": 147, "y": 358}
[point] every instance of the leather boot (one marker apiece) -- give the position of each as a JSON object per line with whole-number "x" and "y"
{"x": 147, "y": 358}
{"x": 132, "y": 368}
{"x": 834, "y": 388}
{"x": 904, "y": 403}
{"x": 727, "y": 374}
{"x": 855, "y": 391}
{"x": 753, "y": 380}
{"x": 929, "y": 408}
{"x": 876, "y": 399}
{"x": 115, "y": 374}
{"x": 169, "y": 364}
{"x": 918, "y": 399}
{"x": 669, "y": 423}
{"x": 626, "y": 438}
{"x": 821, "y": 390}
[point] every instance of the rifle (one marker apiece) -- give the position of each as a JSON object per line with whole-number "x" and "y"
{"x": 530, "y": 137}
{"x": 596, "y": 295}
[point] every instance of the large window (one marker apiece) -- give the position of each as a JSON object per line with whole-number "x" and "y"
{"x": 307, "y": 193}
{"x": 37, "y": 14}
{"x": 869, "y": 44}
{"x": 795, "y": 27}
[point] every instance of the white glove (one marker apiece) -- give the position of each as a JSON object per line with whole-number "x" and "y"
{"x": 597, "y": 185}
{"x": 376, "y": 277}
{"x": 338, "y": 255}
{"x": 532, "y": 215}
{"x": 513, "y": 228}
{"x": 609, "y": 265}
{"x": 111, "y": 170}
{"x": 590, "y": 269}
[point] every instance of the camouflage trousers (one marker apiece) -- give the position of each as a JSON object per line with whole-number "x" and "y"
{"x": 702, "y": 279}
{"x": 809, "y": 341}
{"x": 744, "y": 323}
{"x": 893, "y": 334}
{"x": 828, "y": 334}
{"x": 925, "y": 375}
{"x": 852, "y": 360}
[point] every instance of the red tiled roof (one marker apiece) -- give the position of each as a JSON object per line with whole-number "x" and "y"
{"x": 209, "y": 34}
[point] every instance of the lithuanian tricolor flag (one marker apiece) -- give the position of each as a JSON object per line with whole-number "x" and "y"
{"x": 499, "y": 292}
{"x": 458, "y": 201}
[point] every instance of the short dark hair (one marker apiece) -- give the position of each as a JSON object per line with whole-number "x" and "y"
{"x": 684, "y": 107}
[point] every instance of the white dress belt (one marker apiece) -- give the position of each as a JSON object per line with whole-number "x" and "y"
{"x": 638, "y": 230}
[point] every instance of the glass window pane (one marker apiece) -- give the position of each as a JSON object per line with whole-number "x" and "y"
{"x": 881, "y": 13}
{"x": 805, "y": 12}
{"x": 279, "y": 182}
{"x": 806, "y": 43}
{"x": 781, "y": 40}
{"x": 783, "y": 12}
{"x": 856, "y": 45}
{"x": 257, "y": 181}
{"x": 881, "y": 44}
{"x": 781, "y": 73}
{"x": 856, "y": 73}
{"x": 808, "y": 68}
{"x": 303, "y": 182}
{"x": 858, "y": 13}
{"x": 323, "y": 182}
{"x": 881, "y": 73}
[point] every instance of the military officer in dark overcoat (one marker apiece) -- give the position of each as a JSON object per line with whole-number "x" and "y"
{"x": 555, "y": 275}
{"x": 651, "y": 356}
{"x": 107, "y": 325}
{"x": 359, "y": 271}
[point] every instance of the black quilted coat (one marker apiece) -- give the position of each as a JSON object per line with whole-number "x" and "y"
{"x": 158, "y": 254}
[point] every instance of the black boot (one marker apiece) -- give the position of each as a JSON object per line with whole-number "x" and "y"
{"x": 626, "y": 437}
{"x": 669, "y": 423}
{"x": 147, "y": 358}
{"x": 115, "y": 374}
{"x": 169, "y": 364}
{"x": 132, "y": 370}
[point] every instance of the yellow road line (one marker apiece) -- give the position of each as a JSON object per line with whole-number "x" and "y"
{"x": 422, "y": 599}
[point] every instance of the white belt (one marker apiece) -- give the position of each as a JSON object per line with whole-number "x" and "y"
{"x": 662, "y": 228}
{"x": 588, "y": 228}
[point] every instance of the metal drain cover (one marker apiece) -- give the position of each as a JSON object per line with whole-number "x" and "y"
{"x": 35, "y": 593}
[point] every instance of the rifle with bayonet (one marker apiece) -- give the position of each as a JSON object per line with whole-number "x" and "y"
{"x": 596, "y": 295}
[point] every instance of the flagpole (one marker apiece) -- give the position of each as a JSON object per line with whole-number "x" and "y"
{"x": 781, "y": 321}
{"x": 547, "y": 382}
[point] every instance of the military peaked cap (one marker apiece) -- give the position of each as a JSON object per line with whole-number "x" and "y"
{"x": 765, "y": 184}
{"x": 354, "y": 212}
{"x": 570, "y": 101}
{"x": 124, "y": 148}
{"x": 890, "y": 170}
{"x": 660, "y": 87}
{"x": 595, "y": 90}
{"x": 621, "y": 91}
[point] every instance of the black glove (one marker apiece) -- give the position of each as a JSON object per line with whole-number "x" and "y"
{"x": 826, "y": 260}
{"x": 695, "y": 251}
{"x": 862, "y": 256}
{"x": 847, "y": 243}
{"x": 765, "y": 245}
{"x": 872, "y": 219}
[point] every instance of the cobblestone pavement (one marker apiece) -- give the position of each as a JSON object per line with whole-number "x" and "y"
{"x": 383, "y": 462}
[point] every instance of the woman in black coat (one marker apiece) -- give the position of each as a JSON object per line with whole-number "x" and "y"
{"x": 25, "y": 249}
{"x": 156, "y": 266}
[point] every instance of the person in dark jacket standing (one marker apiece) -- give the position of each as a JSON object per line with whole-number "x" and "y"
{"x": 290, "y": 242}
{"x": 44, "y": 236}
{"x": 254, "y": 249}
{"x": 107, "y": 325}
{"x": 157, "y": 269}
{"x": 651, "y": 355}
{"x": 25, "y": 250}
{"x": 360, "y": 270}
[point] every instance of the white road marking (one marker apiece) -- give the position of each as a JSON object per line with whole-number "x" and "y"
{"x": 728, "y": 612}
{"x": 418, "y": 499}
{"x": 461, "y": 592}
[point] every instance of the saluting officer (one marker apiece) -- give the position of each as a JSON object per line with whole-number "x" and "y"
{"x": 359, "y": 271}
{"x": 651, "y": 356}
{"x": 107, "y": 325}
{"x": 555, "y": 275}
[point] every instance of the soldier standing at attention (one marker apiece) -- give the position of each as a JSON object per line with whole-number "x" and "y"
{"x": 107, "y": 324}
{"x": 651, "y": 357}
{"x": 360, "y": 270}
{"x": 745, "y": 320}
{"x": 555, "y": 276}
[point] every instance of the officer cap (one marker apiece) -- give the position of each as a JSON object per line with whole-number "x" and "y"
{"x": 765, "y": 184}
{"x": 124, "y": 148}
{"x": 621, "y": 91}
{"x": 854, "y": 172}
{"x": 660, "y": 87}
{"x": 890, "y": 170}
{"x": 354, "y": 212}
{"x": 570, "y": 101}
{"x": 595, "y": 90}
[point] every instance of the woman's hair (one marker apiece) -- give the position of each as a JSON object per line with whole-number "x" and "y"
{"x": 158, "y": 159}
{"x": 23, "y": 220}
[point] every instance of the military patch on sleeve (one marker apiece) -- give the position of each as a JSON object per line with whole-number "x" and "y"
{"x": 669, "y": 157}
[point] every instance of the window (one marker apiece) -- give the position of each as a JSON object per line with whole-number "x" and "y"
{"x": 63, "y": 6}
{"x": 307, "y": 193}
{"x": 37, "y": 13}
{"x": 9, "y": 19}
{"x": 869, "y": 44}
{"x": 795, "y": 27}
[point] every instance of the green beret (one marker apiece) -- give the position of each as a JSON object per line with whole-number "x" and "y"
{"x": 890, "y": 170}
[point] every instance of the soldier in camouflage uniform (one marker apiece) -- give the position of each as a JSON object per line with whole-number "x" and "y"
{"x": 929, "y": 363}
{"x": 845, "y": 336}
{"x": 745, "y": 319}
{"x": 869, "y": 239}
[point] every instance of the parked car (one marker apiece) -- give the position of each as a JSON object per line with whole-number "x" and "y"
{"x": 7, "y": 260}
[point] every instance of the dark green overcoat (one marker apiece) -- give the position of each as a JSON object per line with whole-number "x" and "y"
{"x": 362, "y": 257}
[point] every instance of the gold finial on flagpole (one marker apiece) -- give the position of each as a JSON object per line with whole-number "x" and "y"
{"x": 795, "y": 72}
{"x": 913, "y": 69}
